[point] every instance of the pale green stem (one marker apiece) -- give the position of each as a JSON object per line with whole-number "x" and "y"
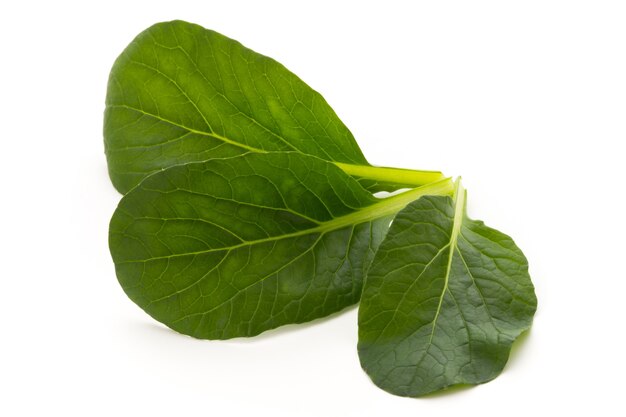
{"x": 407, "y": 177}
{"x": 393, "y": 204}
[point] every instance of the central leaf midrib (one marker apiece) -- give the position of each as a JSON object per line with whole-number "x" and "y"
{"x": 457, "y": 221}
{"x": 190, "y": 129}
{"x": 385, "y": 207}
{"x": 398, "y": 175}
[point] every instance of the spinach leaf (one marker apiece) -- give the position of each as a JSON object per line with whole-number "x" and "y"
{"x": 236, "y": 246}
{"x": 444, "y": 299}
{"x": 180, "y": 93}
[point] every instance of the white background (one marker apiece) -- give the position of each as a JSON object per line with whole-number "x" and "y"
{"x": 526, "y": 100}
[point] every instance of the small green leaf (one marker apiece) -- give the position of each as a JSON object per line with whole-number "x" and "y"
{"x": 236, "y": 246}
{"x": 181, "y": 93}
{"x": 443, "y": 301}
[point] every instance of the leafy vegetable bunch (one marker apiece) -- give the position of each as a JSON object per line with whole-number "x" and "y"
{"x": 248, "y": 205}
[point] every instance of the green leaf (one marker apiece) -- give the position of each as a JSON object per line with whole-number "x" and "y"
{"x": 180, "y": 93}
{"x": 444, "y": 299}
{"x": 236, "y": 246}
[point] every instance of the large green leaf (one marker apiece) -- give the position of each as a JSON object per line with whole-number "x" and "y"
{"x": 444, "y": 299}
{"x": 180, "y": 93}
{"x": 236, "y": 246}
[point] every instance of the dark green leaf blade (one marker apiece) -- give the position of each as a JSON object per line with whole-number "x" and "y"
{"x": 180, "y": 93}
{"x": 443, "y": 301}
{"x": 237, "y": 246}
